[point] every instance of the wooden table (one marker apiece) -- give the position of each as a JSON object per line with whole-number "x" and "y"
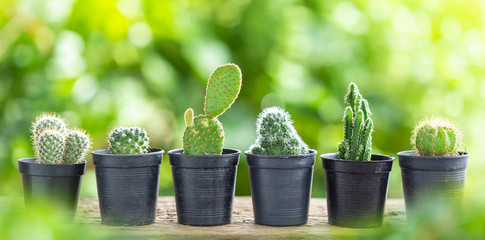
{"x": 242, "y": 226}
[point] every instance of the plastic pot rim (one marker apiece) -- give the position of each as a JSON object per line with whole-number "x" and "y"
{"x": 281, "y": 161}
{"x": 28, "y": 166}
{"x": 103, "y": 158}
{"x": 375, "y": 166}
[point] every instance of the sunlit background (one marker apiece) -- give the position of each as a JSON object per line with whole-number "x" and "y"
{"x": 102, "y": 64}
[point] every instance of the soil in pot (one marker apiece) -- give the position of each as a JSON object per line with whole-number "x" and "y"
{"x": 204, "y": 186}
{"x": 59, "y": 183}
{"x": 281, "y": 188}
{"x": 127, "y": 186}
{"x": 432, "y": 178}
{"x": 356, "y": 191}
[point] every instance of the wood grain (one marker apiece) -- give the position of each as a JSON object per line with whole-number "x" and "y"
{"x": 242, "y": 226}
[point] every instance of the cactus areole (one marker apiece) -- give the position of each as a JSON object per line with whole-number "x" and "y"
{"x": 204, "y": 134}
{"x": 357, "y": 143}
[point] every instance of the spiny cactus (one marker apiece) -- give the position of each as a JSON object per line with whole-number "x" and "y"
{"x": 204, "y": 134}
{"x": 49, "y": 146}
{"x": 128, "y": 140}
{"x": 76, "y": 145}
{"x": 48, "y": 121}
{"x": 436, "y": 137}
{"x": 55, "y": 144}
{"x": 276, "y": 134}
{"x": 357, "y": 143}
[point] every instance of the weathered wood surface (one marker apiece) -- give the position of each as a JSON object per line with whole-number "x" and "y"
{"x": 242, "y": 226}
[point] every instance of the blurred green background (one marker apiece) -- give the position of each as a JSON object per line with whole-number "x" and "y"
{"x": 102, "y": 64}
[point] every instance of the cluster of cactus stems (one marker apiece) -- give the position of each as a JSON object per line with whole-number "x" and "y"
{"x": 436, "y": 137}
{"x": 54, "y": 143}
{"x": 276, "y": 134}
{"x": 357, "y": 143}
{"x": 204, "y": 134}
{"x": 128, "y": 140}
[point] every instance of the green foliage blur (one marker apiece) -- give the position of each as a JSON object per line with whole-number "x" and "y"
{"x": 102, "y": 64}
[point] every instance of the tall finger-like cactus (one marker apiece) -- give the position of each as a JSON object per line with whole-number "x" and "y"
{"x": 76, "y": 145}
{"x": 276, "y": 134}
{"x": 204, "y": 134}
{"x": 436, "y": 137}
{"x": 357, "y": 143}
{"x": 49, "y": 146}
{"x": 55, "y": 144}
{"x": 128, "y": 140}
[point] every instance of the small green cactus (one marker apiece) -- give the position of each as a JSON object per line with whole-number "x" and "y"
{"x": 49, "y": 146}
{"x": 76, "y": 145}
{"x": 204, "y": 134}
{"x": 55, "y": 144}
{"x": 357, "y": 143}
{"x": 276, "y": 134}
{"x": 48, "y": 121}
{"x": 128, "y": 140}
{"x": 436, "y": 137}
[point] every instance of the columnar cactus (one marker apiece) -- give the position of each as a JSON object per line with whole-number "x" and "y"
{"x": 357, "y": 143}
{"x": 48, "y": 121}
{"x": 55, "y": 144}
{"x": 276, "y": 134}
{"x": 436, "y": 137}
{"x": 76, "y": 145}
{"x": 128, "y": 140}
{"x": 204, "y": 134}
{"x": 50, "y": 147}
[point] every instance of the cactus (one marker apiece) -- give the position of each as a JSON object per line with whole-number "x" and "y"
{"x": 276, "y": 134}
{"x": 357, "y": 143}
{"x": 128, "y": 140}
{"x": 436, "y": 137}
{"x": 55, "y": 144}
{"x": 49, "y": 146}
{"x": 48, "y": 121}
{"x": 204, "y": 134}
{"x": 76, "y": 145}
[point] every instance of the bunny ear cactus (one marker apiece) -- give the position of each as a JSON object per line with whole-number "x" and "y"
{"x": 128, "y": 140}
{"x": 357, "y": 143}
{"x": 436, "y": 137}
{"x": 276, "y": 134}
{"x": 204, "y": 134}
{"x": 55, "y": 144}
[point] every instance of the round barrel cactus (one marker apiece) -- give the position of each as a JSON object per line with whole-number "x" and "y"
{"x": 436, "y": 137}
{"x": 128, "y": 140}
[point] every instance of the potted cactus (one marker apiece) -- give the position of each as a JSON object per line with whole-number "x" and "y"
{"x": 356, "y": 180}
{"x": 204, "y": 173}
{"x": 127, "y": 176}
{"x": 56, "y": 171}
{"x": 436, "y": 169}
{"x": 280, "y": 171}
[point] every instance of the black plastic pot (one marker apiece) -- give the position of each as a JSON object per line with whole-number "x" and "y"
{"x": 356, "y": 191}
{"x": 432, "y": 178}
{"x": 127, "y": 186}
{"x": 281, "y": 188}
{"x": 204, "y": 186}
{"x": 54, "y": 182}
